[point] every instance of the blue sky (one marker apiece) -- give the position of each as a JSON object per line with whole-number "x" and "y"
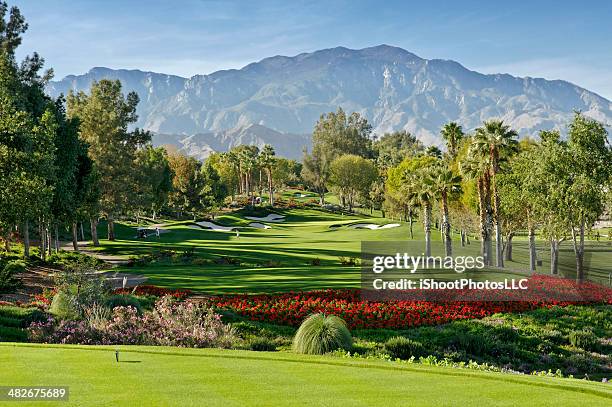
{"x": 550, "y": 39}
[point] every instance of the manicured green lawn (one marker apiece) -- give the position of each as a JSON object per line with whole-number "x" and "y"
{"x": 281, "y": 258}
{"x": 194, "y": 377}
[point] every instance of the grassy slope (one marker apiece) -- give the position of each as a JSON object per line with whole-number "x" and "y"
{"x": 166, "y": 376}
{"x": 292, "y": 245}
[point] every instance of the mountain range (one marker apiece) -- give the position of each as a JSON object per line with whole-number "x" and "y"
{"x": 279, "y": 99}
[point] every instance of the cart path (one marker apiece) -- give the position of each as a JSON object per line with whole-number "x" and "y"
{"x": 114, "y": 277}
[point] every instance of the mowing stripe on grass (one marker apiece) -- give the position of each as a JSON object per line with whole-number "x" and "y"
{"x": 577, "y": 386}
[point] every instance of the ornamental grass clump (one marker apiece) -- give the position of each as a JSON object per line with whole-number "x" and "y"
{"x": 320, "y": 334}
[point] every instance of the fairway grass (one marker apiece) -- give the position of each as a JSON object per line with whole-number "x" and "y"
{"x": 155, "y": 376}
{"x": 282, "y": 258}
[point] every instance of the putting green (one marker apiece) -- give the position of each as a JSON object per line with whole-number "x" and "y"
{"x": 193, "y": 377}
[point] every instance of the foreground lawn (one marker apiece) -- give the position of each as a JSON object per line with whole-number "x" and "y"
{"x": 169, "y": 376}
{"x": 303, "y": 253}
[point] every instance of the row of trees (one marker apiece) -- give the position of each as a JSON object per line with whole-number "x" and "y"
{"x": 247, "y": 170}
{"x": 486, "y": 183}
{"x": 66, "y": 161}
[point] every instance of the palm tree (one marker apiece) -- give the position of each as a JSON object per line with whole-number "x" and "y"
{"x": 267, "y": 160}
{"x": 444, "y": 183}
{"x": 474, "y": 167}
{"x": 452, "y": 133}
{"x": 247, "y": 156}
{"x": 495, "y": 141}
{"x": 421, "y": 183}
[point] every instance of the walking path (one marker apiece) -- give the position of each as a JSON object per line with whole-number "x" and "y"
{"x": 115, "y": 278}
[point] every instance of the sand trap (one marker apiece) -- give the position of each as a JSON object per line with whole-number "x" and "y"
{"x": 372, "y": 226}
{"x": 259, "y": 225}
{"x": 273, "y": 217}
{"x": 214, "y": 226}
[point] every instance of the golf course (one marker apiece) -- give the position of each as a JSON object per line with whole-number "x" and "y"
{"x": 193, "y": 377}
{"x": 340, "y": 227}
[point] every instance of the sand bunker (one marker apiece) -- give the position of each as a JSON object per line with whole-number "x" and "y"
{"x": 214, "y": 226}
{"x": 273, "y": 217}
{"x": 372, "y": 226}
{"x": 259, "y": 225}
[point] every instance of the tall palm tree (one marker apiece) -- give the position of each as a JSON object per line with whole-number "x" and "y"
{"x": 410, "y": 196}
{"x": 495, "y": 142}
{"x": 474, "y": 167}
{"x": 444, "y": 183}
{"x": 421, "y": 183}
{"x": 452, "y": 133}
{"x": 267, "y": 160}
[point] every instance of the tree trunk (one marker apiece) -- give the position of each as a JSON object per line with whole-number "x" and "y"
{"x": 56, "y": 239}
{"x": 446, "y": 226}
{"x": 75, "y": 237}
{"x": 532, "y": 250}
{"x": 26, "y": 239}
{"x": 7, "y": 240}
{"x": 82, "y": 231}
{"x": 499, "y": 258}
{"x": 42, "y": 241}
{"x": 579, "y": 251}
{"x": 270, "y": 188}
{"x": 482, "y": 218}
{"x": 111, "y": 227}
{"x": 94, "y": 231}
{"x": 554, "y": 256}
{"x": 462, "y": 234}
{"x": 410, "y": 221}
{"x": 427, "y": 228}
{"x": 49, "y": 245}
{"x": 508, "y": 251}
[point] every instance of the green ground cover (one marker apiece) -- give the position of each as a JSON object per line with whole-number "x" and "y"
{"x": 572, "y": 339}
{"x": 186, "y": 377}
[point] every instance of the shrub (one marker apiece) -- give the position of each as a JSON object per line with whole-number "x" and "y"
{"x": 348, "y": 261}
{"x": 262, "y": 345}
{"x": 315, "y": 262}
{"x": 586, "y": 340}
{"x": 320, "y": 334}
{"x": 77, "y": 289}
{"x": 403, "y": 348}
{"x": 64, "y": 306}
{"x": 171, "y": 323}
{"x": 123, "y": 300}
{"x": 97, "y": 316}
{"x": 474, "y": 344}
{"x": 64, "y": 259}
{"x": 8, "y": 275}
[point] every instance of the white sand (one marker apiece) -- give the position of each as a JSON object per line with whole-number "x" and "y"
{"x": 214, "y": 226}
{"x": 270, "y": 218}
{"x": 259, "y": 225}
{"x": 372, "y": 226}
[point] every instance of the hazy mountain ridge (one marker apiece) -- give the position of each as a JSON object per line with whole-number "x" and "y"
{"x": 393, "y": 88}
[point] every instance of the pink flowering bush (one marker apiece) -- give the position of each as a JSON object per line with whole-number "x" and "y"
{"x": 171, "y": 323}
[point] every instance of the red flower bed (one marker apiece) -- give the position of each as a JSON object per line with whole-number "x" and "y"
{"x": 291, "y": 308}
{"x": 154, "y": 290}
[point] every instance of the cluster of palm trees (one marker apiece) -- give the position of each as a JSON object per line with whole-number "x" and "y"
{"x": 491, "y": 145}
{"x": 248, "y": 165}
{"x": 438, "y": 178}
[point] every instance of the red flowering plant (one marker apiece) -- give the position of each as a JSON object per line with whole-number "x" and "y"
{"x": 291, "y": 308}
